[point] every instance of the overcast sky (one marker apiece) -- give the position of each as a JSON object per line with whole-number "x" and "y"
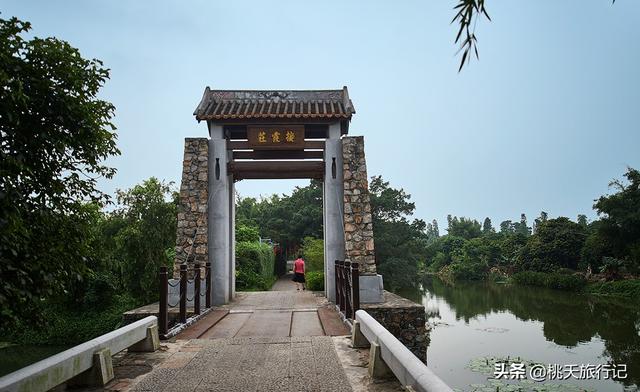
{"x": 545, "y": 119}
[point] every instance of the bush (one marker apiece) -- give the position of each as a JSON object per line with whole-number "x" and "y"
{"x": 552, "y": 281}
{"x": 247, "y": 234}
{"x": 622, "y": 288}
{"x": 67, "y": 326}
{"x": 463, "y": 271}
{"x": 255, "y": 266}
{"x": 315, "y": 280}
{"x": 313, "y": 253}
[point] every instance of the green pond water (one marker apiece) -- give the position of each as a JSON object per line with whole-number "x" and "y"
{"x": 15, "y": 357}
{"x": 478, "y": 324}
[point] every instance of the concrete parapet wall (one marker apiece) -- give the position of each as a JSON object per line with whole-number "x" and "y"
{"x": 61, "y": 367}
{"x": 408, "y": 369}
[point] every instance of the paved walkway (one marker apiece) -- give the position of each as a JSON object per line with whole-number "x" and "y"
{"x": 277, "y": 340}
{"x": 284, "y": 284}
{"x": 251, "y": 364}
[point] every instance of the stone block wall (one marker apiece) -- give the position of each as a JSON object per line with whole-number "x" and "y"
{"x": 191, "y": 239}
{"x": 405, "y": 319}
{"x": 358, "y": 225}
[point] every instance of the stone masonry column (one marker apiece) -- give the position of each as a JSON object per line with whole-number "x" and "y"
{"x": 333, "y": 209}
{"x": 191, "y": 235}
{"x": 358, "y": 224}
{"x": 219, "y": 217}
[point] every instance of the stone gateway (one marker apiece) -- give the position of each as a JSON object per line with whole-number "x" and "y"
{"x": 258, "y": 134}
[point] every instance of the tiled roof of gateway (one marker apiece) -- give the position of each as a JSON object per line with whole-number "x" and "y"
{"x": 262, "y": 104}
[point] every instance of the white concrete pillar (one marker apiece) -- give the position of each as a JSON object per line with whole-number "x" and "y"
{"x": 232, "y": 234}
{"x": 219, "y": 217}
{"x": 333, "y": 207}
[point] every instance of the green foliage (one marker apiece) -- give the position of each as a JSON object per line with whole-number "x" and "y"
{"x": 315, "y": 280}
{"x": 619, "y": 226}
{"x": 622, "y": 288}
{"x": 550, "y": 280}
{"x": 247, "y": 234}
{"x": 55, "y": 135}
{"x": 313, "y": 252}
{"x": 509, "y": 227}
{"x": 399, "y": 243}
{"x": 68, "y": 326}
{"x": 464, "y": 271}
{"x": 149, "y": 228}
{"x": 557, "y": 243}
{"x": 463, "y": 227}
{"x": 487, "y": 227}
{"x": 255, "y": 264}
{"x": 285, "y": 219}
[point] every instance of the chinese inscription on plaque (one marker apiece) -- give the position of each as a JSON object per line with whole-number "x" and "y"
{"x": 274, "y": 137}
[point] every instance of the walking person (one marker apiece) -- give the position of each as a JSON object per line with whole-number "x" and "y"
{"x": 298, "y": 273}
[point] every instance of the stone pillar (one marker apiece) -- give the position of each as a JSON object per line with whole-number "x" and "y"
{"x": 358, "y": 225}
{"x": 191, "y": 236}
{"x": 333, "y": 208}
{"x": 219, "y": 217}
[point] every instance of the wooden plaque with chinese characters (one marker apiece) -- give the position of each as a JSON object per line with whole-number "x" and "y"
{"x": 276, "y": 137}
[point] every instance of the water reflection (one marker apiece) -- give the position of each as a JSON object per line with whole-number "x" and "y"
{"x": 476, "y": 319}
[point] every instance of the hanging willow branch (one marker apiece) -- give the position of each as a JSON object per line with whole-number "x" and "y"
{"x": 466, "y": 16}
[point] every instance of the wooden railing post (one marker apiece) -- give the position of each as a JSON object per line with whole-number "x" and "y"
{"x": 355, "y": 289}
{"x": 183, "y": 293}
{"x": 337, "y": 282}
{"x": 347, "y": 287}
{"x": 341, "y": 283}
{"x": 163, "y": 326}
{"x": 196, "y": 288}
{"x": 207, "y": 282}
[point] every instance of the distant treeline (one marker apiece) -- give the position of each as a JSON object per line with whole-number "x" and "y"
{"x": 609, "y": 245}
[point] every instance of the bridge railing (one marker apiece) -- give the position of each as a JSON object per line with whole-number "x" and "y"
{"x": 183, "y": 284}
{"x": 89, "y": 363}
{"x": 347, "y": 286}
{"x": 389, "y": 354}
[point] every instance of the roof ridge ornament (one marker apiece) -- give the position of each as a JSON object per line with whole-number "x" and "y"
{"x": 276, "y": 96}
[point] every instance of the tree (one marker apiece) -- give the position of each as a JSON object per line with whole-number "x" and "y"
{"x": 521, "y": 227}
{"x": 56, "y": 134}
{"x": 389, "y": 204}
{"x": 620, "y": 223}
{"x": 582, "y": 220}
{"x": 433, "y": 232}
{"x": 400, "y": 243}
{"x": 286, "y": 219}
{"x": 542, "y": 218}
{"x": 466, "y": 228}
{"x": 557, "y": 244}
{"x": 487, "y": 228}
{"x": 506, "y": 227}
{"x": 149, "y": 215}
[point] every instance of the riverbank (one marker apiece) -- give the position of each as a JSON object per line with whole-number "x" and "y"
{"x": 629, "y": 288}
{"x": 576, "y": 282}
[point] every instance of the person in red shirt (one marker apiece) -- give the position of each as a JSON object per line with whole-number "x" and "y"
{"x": 298, "y": 273}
